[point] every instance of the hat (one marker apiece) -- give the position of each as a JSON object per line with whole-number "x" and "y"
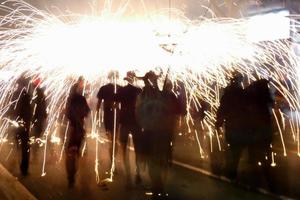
{"x": 151, "y": 76}
{"x": 130, "y": 75}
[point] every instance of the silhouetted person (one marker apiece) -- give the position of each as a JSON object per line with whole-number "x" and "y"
{"x": 22, "y": 114}
{"x": 107, "y": 95}
{"x": 40, "y": 109}
{"x": 232, "y": 112}
{"x": 260, "y": 125}
{"x": 156, "y": 114}
{"x": 39, "y": 106}
{"x": 127, "y": 96}
{"x": 197, "y": 109}
{"x": 172, "y": 114}
{"x": 76, "y": 111}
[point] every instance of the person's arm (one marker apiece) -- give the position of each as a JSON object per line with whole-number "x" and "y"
{"x": 99, "y": 104}
{"x": 220, "y": 114}
{"x": 87, "y": 108}
{"x": 100, "y": 98}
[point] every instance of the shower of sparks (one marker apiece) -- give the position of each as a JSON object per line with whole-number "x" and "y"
{"x": 198, "y": 54}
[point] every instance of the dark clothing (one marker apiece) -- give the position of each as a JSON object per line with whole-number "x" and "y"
{"x": 260, "y": 116}
{"x": 156, "y": 110}
{"x": 157, "y": 113}
{"x": 232, "y": 111}
{"x": 127, "y": 96}
{"x": 158, "y": 156}
{"x": 76, "y": 110}
{"x": 107, "y": 93}
{"x": 233, "y": 155}
{"x": 172, "y": 110}
{"x": 23, "y": 109}
{"x": 181, "y": 96}
{"x": 23, "y": 114}
{"x": 260, "y": 125}
{"x": 40, "y": 113}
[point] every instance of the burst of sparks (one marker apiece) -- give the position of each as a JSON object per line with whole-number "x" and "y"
{"x": 200, "y": 54}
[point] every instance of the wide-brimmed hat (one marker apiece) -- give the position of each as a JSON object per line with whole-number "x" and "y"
{"x": 130, "y": 75}
{"x": 149, "y": 77}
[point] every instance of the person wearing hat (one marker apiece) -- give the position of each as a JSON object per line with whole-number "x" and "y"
{"x": 157, "y": 113}
{"x": 127, "y": 97}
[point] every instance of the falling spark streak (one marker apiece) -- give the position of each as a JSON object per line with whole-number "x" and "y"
{"x": 95, "y": 134}
{"x": 273, "y": 164}
{"x": 282, "y": 115}
{"x": 9, "y": 153}
{"x": 83, "y": 149}
{"x": 97, "y": 162}
{"x": 95, "y": 130}
{"x": 44, "y": 157}
{"x": 64, "y": 143}
{"x": 218, "y": 140}
{"x": 280, "y": 132}
{"x": 199, "y": 145}
{"x": 114, "y": 136}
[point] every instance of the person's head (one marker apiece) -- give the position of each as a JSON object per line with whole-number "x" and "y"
{"x": 168, "y": 86}
{"x": 80, "y": 85}
{"x": 23, "y": 81}
{"x": 36, "y": 82}
{"x": 236, "y": 77}
{"x": 113, "y": 75}
{"x": 150, "y": 79}
{"x": 130, "y": 76}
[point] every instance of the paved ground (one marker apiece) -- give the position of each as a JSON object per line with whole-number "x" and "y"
{"x": 2, "y": 195}
{"x": 182, "y": 183}
{"x": 285, "y": 176}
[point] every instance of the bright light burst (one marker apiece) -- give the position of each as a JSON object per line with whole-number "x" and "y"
{"x": 201, "y": 54}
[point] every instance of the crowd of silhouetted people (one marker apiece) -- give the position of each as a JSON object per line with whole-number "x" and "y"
{"x": 151, "y": 116}
{"x": 247, "y": 115}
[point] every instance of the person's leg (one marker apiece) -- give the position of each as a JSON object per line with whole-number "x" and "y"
{"x": 266, "y": 157}
{"x": 124, "y": 131}
{"x": 25, "y": 152}
{"x": 108, "y": 125}
{"x": 233, "y": 155}
{"x": 137, "y": 143}
{"x": 71, "y": 162}
{"x": 156, "y": 165}
{"x": 156, "y": 179}
{"x": 256, "y": 160}
{"x": 166, "y": 158}
{"x": 37, "y": 130}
